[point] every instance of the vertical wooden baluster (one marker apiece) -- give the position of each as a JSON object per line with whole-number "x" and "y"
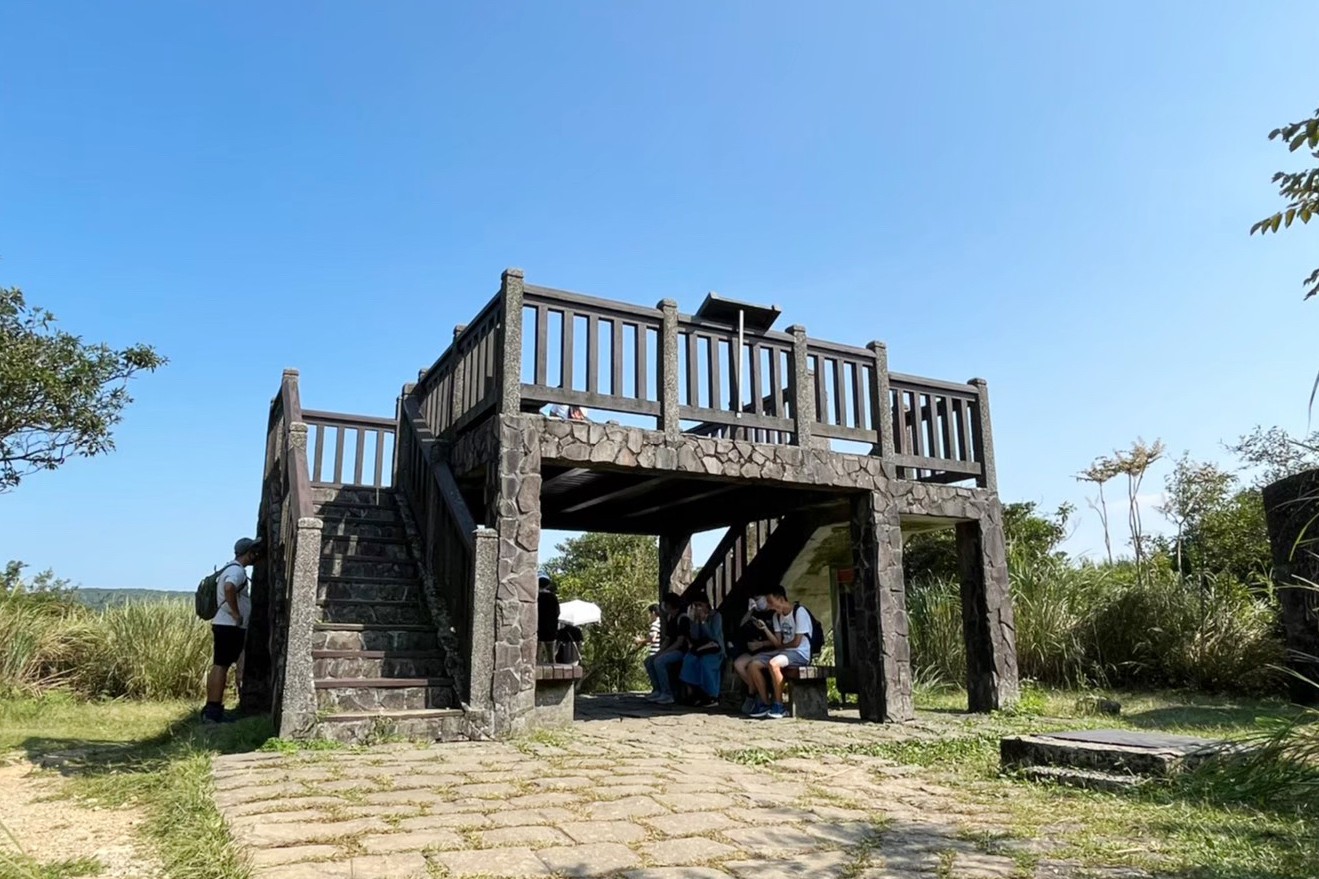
{"x": 716, "y": 380}
{"x": 338, "y": 456}
{"x": 593, "y": 355}
{"x": 946, "y": 428}
{"x": 859, "y": 396}
{"x": 757, "y": 403}
{"x": 642, "y": 375}
{"x": 774, "y": 392}
{"x": 840, "y": 393}
{"x": 821, "y": 394}
{"x": 565, "y": 366}
{"x": 320, "y": 452}
{"x": 542, "y": 340}
{"x": 361, "y": 448}
{"x": 693, "y": 370}
{"x": 616, "y": 360}
{"x": 380, "y": 457}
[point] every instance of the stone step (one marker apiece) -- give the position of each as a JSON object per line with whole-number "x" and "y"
{"x": 365, "y": 496}
{"x": 1123, "y": 752}
{"x": 427, "y": 725}
{"x": 365, "y": 611}
{"x": 370, "y": 636}
{"x": 383, "y": 694}
{"x": 361, "y": 528}
{"x": 328, "y": 664}
{"x": 367, "y": 566}
{"x": 335, "y": 511}
{"x": 367, "y": 589}
{"x": 365, "y": 546}
{"x": 1088, "y": 779}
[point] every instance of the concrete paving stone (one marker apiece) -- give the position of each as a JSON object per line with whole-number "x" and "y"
{"x": 456, "y": 820}
{"x": 596, "y": 859}
{"x": 812, "y": 865}
{"x": 690, "y": 823}
{"x": 412, "y": 841}
{"x": 771, "y": 815}
{"x": 983, "y": 866}
{"x": 301, "y": 815}
{"x": 536, "y": 836}
{"x": 772, "y": 841}
{"x": 847, "y": 834}
{"x": 492, "y": 862}
{"x": 260, "y": 792}
{"x": 604, "y": 831}
{"x": 688, "y": 850}
{"x": 306, "y": 870}
{"x": 262, "y": 807}
{"x": 697, "y": 788}
{"x": 524, "y": 817}
{"x": 628, "y": 807}
{"x": 650, "y": 781}
{"x": 273, "y": 857}
{"x": 343, "y": 785}
{"x": 569, "y": 782}
{"x": 677, "y": 873}
{"x": 497, "y": 776}
{"x": 615, "y": 791}
{"x": 414, "y": 797}
{"x": 294, "y": 834}
{"x": 490, "y": 791}
{"x": 405, "y": 865}
{"x": 699, "y": 802}
{"x": 429, "y": 782}
{"x": 835, "y": 813}
{"x": 537, "y": 801}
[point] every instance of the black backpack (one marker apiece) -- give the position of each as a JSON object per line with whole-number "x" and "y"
{"x": 207, "y": 600}
{"x": 817, "y": 631}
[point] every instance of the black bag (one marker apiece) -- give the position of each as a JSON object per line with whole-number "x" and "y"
{"x": 817, "y": 631}
{"x": 206, "y": 602}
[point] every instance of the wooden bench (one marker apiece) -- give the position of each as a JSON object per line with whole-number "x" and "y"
{"x": 555, "y": 689}
{"x": 808, "y": 690}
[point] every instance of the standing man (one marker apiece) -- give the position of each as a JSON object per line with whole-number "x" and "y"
{"x": 229, "y": 627}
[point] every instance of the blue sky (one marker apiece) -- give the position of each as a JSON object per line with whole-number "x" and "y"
{"x": 1053, "y": 196}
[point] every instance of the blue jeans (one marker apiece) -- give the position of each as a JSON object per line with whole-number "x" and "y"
{"x": 657, "y": 669}
{"x": 702, "y": 671}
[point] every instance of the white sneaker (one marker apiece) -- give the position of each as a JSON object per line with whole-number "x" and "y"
{"x": 664, "y": 699}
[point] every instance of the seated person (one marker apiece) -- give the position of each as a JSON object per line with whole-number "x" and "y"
{"x": 677, "y": 625}
{"x": 705, "y": 655}
{"x": 547, "y": 619}
{"x": 786, "y": 643}
{"x": 747, "y": 630}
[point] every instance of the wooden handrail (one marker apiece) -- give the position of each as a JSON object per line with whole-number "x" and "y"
{"x": 445, "y": 483}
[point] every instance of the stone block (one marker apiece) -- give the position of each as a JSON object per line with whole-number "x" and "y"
{"x": 502, "y": 862}
{"x": 604, "y": 831}
{"x": 597, "y": 859}
{"x": 688, "y": 850}
{"x": 535, "y": 836}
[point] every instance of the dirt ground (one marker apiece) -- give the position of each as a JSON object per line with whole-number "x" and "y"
{"x": 51, "y": 829}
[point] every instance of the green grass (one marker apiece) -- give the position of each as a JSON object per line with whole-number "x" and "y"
{"x": 1214, "y": 824}
{"x": 152, "y": 755}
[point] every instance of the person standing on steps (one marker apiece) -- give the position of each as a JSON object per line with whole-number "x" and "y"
{"x": 229, "y": 627}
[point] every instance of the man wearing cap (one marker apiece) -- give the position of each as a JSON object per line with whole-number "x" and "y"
{"x": 229, "y": 628}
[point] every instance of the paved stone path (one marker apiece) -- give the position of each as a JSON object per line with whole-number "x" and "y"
{"x": 632, "y": 790}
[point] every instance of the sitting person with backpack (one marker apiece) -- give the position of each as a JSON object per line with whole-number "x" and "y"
{"x": 224, "y": 599}
{"x": 785, "y": 643}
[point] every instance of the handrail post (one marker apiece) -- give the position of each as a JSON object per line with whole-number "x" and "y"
{"x": 803, "y": 403}
{"x": 668, "y": 369}
{"x": 880, "y": 401}
{"x": 510, "y": 367}
{"x": 984, "y": 437}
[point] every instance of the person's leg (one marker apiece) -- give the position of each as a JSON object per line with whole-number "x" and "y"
{"x": 710, "y": 667}
{"x": 740, "y": 666}
{"x": 225, "y": 650}
{"x": 776, "y": 666}
{"x": 649, "y": 663}
{"x": 663, "y": 671}
{"x": 756, "y": 671}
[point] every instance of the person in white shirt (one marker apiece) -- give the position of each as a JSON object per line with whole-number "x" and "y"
{"x": 786, "y": 643}
{"x": 229, "y": 627}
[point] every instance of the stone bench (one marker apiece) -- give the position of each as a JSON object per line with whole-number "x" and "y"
{"x": 808, "y": 690}
{"x": 555, "y": 689}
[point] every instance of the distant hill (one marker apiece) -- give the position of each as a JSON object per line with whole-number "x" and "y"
{"x": 99, "y": 599}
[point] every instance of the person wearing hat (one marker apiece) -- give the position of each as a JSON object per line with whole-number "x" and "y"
{"x": 229, "y": 628}
{"x": 547, "y": 618}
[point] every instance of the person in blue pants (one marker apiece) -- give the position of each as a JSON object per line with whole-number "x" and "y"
{"x": 671, "y": 652}
{"x": 703, "y": 664}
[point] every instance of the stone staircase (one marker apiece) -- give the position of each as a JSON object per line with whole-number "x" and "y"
{"x": 377, "y": 662}
{"x": 1105, "y": 759}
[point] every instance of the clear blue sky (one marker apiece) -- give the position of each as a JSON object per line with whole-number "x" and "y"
{"x": 1054, "y": 196}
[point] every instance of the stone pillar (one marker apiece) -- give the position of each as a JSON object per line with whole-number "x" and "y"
{"x": 1291, "y": 508}
{"x": 987, "y": 620}
{"x": 675, "y": 563}
{"x": 883, "y": 652}
{"x": 984, "y": 437}
{"x": 516, "y": 520}
{"x": 510, "y": 363}
{"x": 297, "y": 713}
{"x": 881, "y": 408}
{"x": 803, "y": 393}
{"x": 668, "y": 369}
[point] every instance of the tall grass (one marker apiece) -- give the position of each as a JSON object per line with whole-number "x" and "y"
{"x": 1087, "y": 624}
{"x": 151, "y": 650}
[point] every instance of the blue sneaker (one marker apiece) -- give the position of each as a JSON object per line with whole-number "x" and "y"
{"x": 777, "y": 712}
{"x": 760, "y": 709}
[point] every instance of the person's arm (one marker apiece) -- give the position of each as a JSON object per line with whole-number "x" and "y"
{"x": 771, "y": 637}
{"x": 231, "y": 599}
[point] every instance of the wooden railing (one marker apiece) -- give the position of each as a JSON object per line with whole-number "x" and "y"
{"x": 455, "y": 552}
{"x": 730, "y": 558}
{"x": 534, "y": 346}
{"x": 355, "y": 433}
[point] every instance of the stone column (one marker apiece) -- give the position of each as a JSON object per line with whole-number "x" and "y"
{"x": 1291, "y": 506}
{"x": 510, "y": 363}
{"x": 516, "y": 514}
{"x": 987, "y": 620}
{"x": 883, "y": 652}
{"x": 881, "y": 407}
{"x": 668, "y": 369}
{"x": 984, "y": 437}
{"x": 675, "y": 563}
{"x": 298, "y": 703}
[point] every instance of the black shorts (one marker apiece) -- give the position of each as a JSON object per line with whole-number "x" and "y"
{"x": 229, "y": 641}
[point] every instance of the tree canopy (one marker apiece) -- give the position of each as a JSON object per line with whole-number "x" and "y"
{"x": 1300, "y": 189}
{"x": 60, "y": 397}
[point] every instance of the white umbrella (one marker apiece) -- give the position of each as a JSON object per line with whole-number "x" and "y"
{"x": 579, "y": 613}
